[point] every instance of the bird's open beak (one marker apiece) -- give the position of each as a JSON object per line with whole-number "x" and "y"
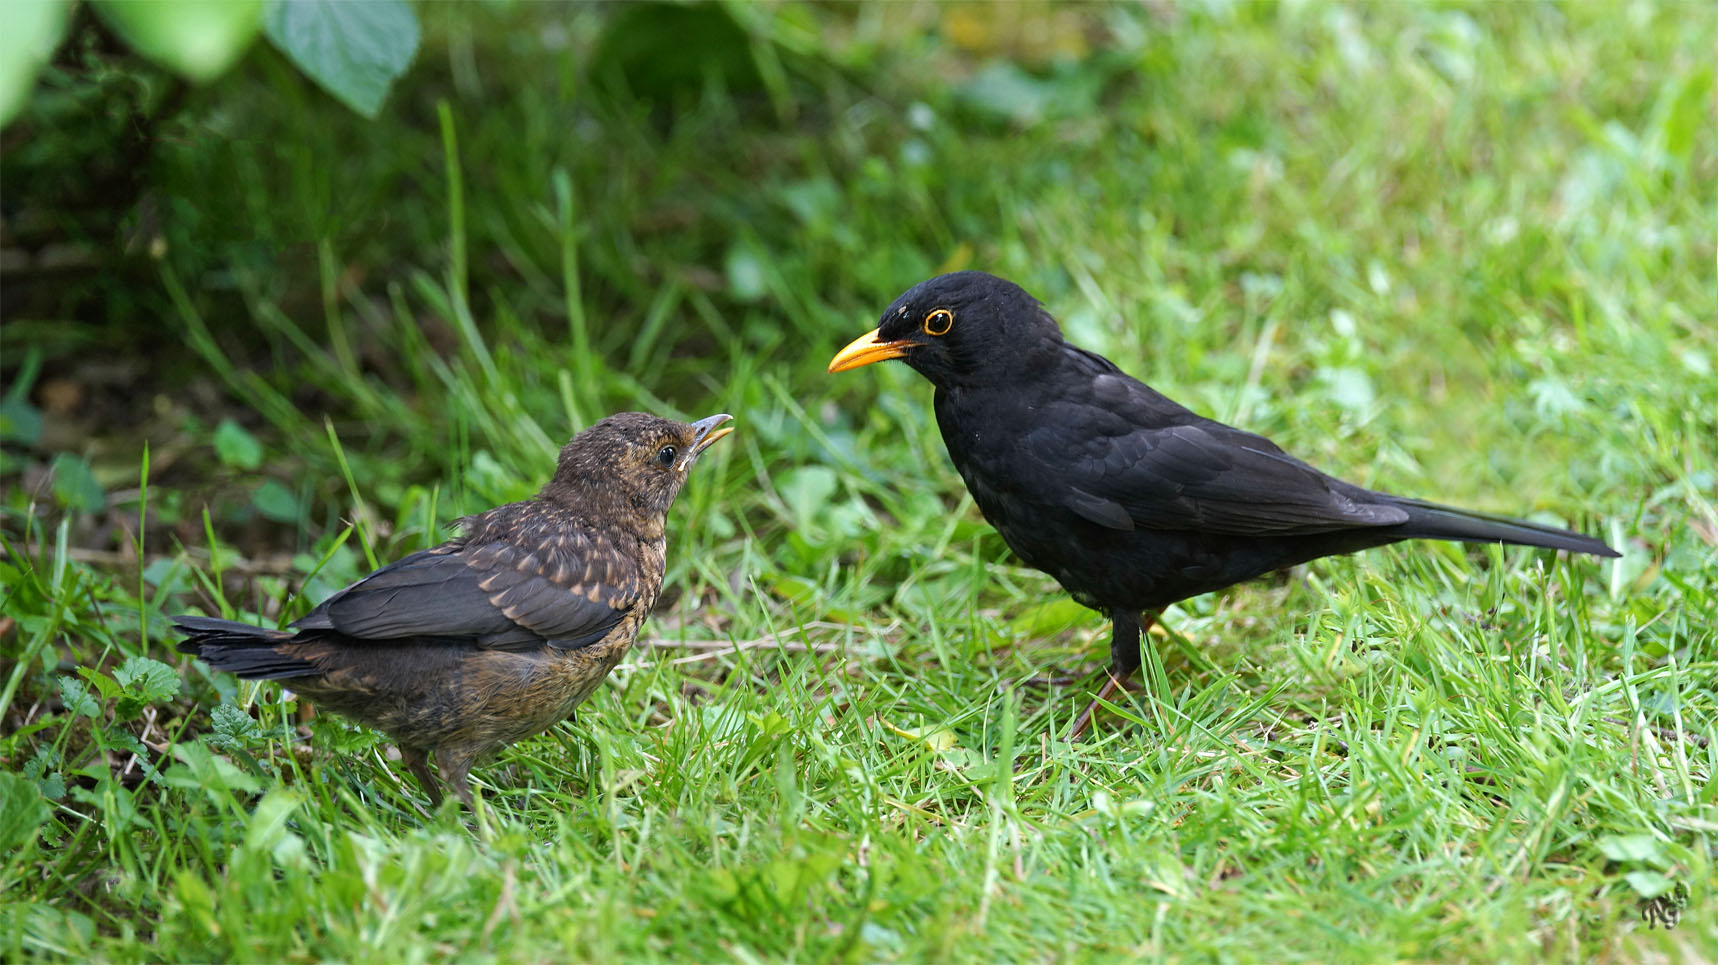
{"x": 704, "y": 435}
{"x": 866, "y": 349}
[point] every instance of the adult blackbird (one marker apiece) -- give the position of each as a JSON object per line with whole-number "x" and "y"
{"x": 498, "y": 634}
{"x": 1130, "y": 501}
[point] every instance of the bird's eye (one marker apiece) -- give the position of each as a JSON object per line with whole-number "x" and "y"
{"x": 665, "y": 455}
{"x": 939, "y": 322}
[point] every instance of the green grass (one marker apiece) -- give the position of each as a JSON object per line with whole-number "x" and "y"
{"x": 1457, "y": 252}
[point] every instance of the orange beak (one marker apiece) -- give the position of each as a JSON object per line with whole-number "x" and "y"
{"x": 866, "y": 349}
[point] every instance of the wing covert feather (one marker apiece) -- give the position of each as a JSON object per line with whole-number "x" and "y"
{"x": 497, "y": 594}
{"x": 1131, "y": 463}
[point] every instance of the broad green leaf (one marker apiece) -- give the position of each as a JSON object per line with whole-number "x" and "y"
{"x": 806, "y": 489}
{"x": 198, "y": 39}
{"x": 268, "y": 828}
{"x": 232, "y": 727}
{"x": 29, "y": 32}
{"x": 200, "y": 769}
{"x": 76, "y": 698}
{"x": 22, "y": 811}
{"x": 148, "y": 680}
{"x": 19, "y": 420}
{"x": 236, "y": 447}
{"x": 1005, "y": 92}
{"x": 164, "y": 572}
{"x": 355, "y": 51}
{"x": 1350, "y": 388}
{"x": 106, "y": 687}
{"x": 746, "y": 274}
{"x": 53, "y": 786}
{"x": 1650, "y": 884}
{"x": 1051, "y": 616}
{"x": 492, "y": 481}
{"x": 274, "y": 500}
{"x": 1633, "y": 847}
{"x": 75, "y": 485}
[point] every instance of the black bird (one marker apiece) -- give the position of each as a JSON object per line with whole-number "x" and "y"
{"x": 498, "y": 634}
{"x": 1131, "y": 501}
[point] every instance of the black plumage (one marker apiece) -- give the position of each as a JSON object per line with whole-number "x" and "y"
{"x": 1130, "y": 500}
{"x": 497, "y": 634}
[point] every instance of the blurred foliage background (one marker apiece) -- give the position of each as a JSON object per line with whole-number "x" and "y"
{"x": 641, "y": 196}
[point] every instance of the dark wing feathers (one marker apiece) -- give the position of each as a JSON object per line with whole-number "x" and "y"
{"x": 1128, "y": 458}
{"x": 431, "y": 592}
{"x": 1097, "y": 509}
{"x": 497, "y": 595}
{"x": 569, "y": 609}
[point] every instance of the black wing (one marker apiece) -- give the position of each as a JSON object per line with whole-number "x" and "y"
{"x": 1125, "y": 457}
{"x": 497, "y": 594}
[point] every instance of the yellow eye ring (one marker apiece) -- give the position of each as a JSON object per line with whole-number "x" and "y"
{"x": 939, "y": 322}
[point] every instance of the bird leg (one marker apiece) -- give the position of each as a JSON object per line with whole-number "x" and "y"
{"x": 1111, "y": 685}
{"x": 1125, "y": 642}
{"x": 456, "y": 764}
{"x": 1066, "y": 680}
{"x": 417, "y": 759}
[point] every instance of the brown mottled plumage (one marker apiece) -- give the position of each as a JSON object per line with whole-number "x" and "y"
{"x": 500, "y": 633}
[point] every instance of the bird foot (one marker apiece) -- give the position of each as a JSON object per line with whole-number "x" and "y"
{"x": 1112, "y": 683}
{"x": 1066, "y": 680}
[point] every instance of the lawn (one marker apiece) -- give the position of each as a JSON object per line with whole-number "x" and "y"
{"x": 1457, "y": 252}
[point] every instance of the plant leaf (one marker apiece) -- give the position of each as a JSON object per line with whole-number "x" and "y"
{"x": 200, "y": 769}
{"x": 236, "y": 447}
{"x": 198, "y": 39}
{"x": 150, "y": 681}
{"x": 275, "y": 501}
{"x": 22, "y": 811}
{"x": 806, "y": 490}
{"x": 1633, "y": 847}
{"x": 1649, "y": 884}
{"x": 354, "y": 51}
{"x": 76, "y": 698}
{"x": 29, "y": 32}
{"x": 19, "y": 420}
{"x": 143, "y": 682}
{"x": 75, "y": 485}
{"x": 232, "y": 727}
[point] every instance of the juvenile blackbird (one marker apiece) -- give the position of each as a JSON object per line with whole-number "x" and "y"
{"x": 498, "y": 634}
{"x": 1130, "y": 501}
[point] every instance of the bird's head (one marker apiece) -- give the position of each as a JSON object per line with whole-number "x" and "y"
{"x": 634, "y": 458}
{"x": 964, "y": 328}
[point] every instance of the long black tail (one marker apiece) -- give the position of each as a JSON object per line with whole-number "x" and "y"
{"x": 1431, "y": 521}
{"x": 251, "y": 652}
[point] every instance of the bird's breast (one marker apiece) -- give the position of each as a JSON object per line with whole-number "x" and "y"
{"x": 514, "y": 695}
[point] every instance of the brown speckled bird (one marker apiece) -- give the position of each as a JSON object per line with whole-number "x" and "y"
{"x": 500, "y": 633}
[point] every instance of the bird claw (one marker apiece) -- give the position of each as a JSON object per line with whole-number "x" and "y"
{"x": 1066, "y": 680}
{"x": 1082, "y": 723}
